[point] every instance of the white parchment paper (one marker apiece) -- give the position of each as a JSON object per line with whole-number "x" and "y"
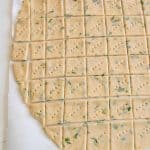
{"x": 24, "y": 133}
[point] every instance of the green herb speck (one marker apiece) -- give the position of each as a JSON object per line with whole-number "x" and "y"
{"x": 67, "y": 140}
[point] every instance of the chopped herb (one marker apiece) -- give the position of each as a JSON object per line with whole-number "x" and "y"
{"x": 129, "y": 108}
{"x": 69, "y": 82}
{"x": 123, "y": 138}
{"x": 50, "y": 20}
{"x": 114, "y": 20}
{"x": 142, "y": 2}
{"x": 115, "y": 126}
{"x": 67, "y": 140}
{"x": 95, "y": 141}
{"x": 121, "y": 89}
{"x": 76, "y": 135}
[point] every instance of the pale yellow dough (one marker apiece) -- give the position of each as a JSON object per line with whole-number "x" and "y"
{"x": 83, "y": 70}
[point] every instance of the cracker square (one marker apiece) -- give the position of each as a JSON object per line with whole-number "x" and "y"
{"x": 22, "y": 29}
{"x": 97, "y": 65}
{"x": 117, "y": 46}
{"x": 139, "y": 63}
{"x": 75, "y": 111}
{"x": 55, "y": 48}
{"x": 119, "y": 85}
{"x": 121, "y": 108}
{"x": 55, "y": 134}
{"x": 37, "y": 50}
{"x": 55, "y": 28}
{"x": 146, "y": 6}
{"x": 141, "y": 108}
{"x": 38, "y": 8}
{"x": 54, "y": 112}
{"x": 97, "y": 28}
{"x": 38, "y": 111}
{"x": 25, "y": 9}
{"x": 134, "y": 25}
{"x": 37, "y": 90}
{"x": 20, "y": 51}
{"x": 74, "y": 137}
{"x": 38, "y": 29}
{"x": 55, "y": 8}
{"x": 98, "y": 136}
{"x": 75, "y": 27}
{"x": 142, "y": 134}
{"x": 115, "y": 25}
{"x": 96, "y": 46}
{"x": 54, "y": 89}
{"x": 122, "y": 135}
{"x": 118, "y": 65}
{"x": 147, "y": 20}
{"x": 137, "y": 45}
{"x": 75, "y": 87}
{"x": 113, "y": 7}
{"x": 55, "y": 67}
{"x": 94, "y": 7}
{"x": 37, "y": 68}
{"x": 98, "y": 86}
{"x": 140, "y": 84}
{"x": 74, "y": 7}
{"x": 132, "y": 7}
{"x": 98, "y": 109}
{"x": 75, "y": 66}
{"x": 75, "y": 47}
{"x": 20, "y": 71}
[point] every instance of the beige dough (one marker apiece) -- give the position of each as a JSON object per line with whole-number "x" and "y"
{"x": 83, "y": 70}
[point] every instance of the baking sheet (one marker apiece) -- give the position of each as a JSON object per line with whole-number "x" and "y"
{"x": 24, "y": 133}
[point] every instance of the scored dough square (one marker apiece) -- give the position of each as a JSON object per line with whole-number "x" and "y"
{"x": 55, "y": 28}
{"x": 55, "y": 67}
{"x": 55, "y": 8}
{"x": 74, "y": 137}
{"x": 97, "y": 28}
{"x": 134, "y": 25}
{"x": 74, "y": 7}
{"x": 98, "y": 86}
{"x": 147, "y": 20}
{"x": 75, "y": 27}
{"x": 139, "y": 63}
{"x": 121, "y": 108}
{"x": 140, "y": 84}
{"x": 38, "y": 111}
{"x": 141, "y": 107}
{"x": 142, "y": 134}
{"x": 137, "y": 45}
{"x": 117, "y": 46}
{"x": 94, "y": 7}
{"x": 98, "y": 109}
{"x": 55, "y": 133}
{"x": 75, "y": 87}
{"x": 115, "y": 25}
{"x": 38, "y": 29}
{"x": 38, "y": 8}
{"x": 97, "y": 65}
{"x": 118, "y": 65}
{"x": 119, "y": 85}
{"x": 37, "y": 50}
{"x": 36, "y": 90}
{"x": 96, "y": 46}
{"x": 20, "y": 51}
{"x": 113, "y": 7}
{"x": 54, "y": 112}
{"x": 55, "y": 89}
{"x": 75, "y": 66}
{"x": 75, "y": 47}
{"x": 37, "y": 68}
{"x": 122, "y": 135}
{"x": 98, "y": 136}
{"x": 20, "y": 70}
{"x": 146, "y": 6}
{"x": 55, "y": 49}
{"x": 22, "y": 30}
{"x": 75, "y": 111}
{"x": 132, "y": 7}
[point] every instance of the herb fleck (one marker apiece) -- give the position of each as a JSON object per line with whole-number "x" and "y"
{"x": 67, "y": 140}
{"x": 95, "y": 141}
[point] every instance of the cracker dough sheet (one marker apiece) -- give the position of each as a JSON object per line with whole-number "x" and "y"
{"x": 83, "y": 71}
